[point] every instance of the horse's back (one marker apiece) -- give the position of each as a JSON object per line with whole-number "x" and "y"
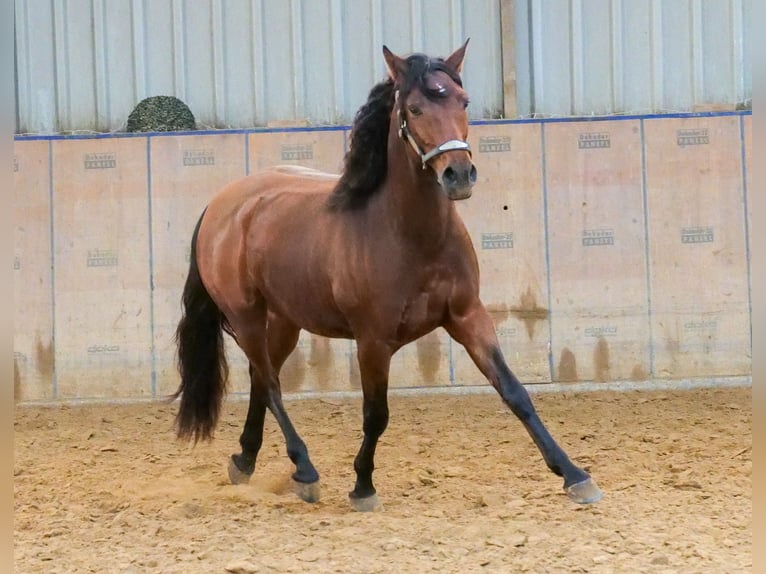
{"x": 307, "y": 172}
{"x": 257, "y": 233}
{"x": 282, "y": 188}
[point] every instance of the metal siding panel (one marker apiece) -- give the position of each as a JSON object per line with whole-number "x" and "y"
{"x": 553, "y": 73}
{"x": 318, "y": 80}
{"x": 159, "y": 49}
{"x": 238, "y": 66}
{"x": 36, "y": 67}
{"x": 84, "y": 64}
{"x": 522, "y": 32}
{"x": 678, "y": 78}
{"x": 636, "y": 42}
{"x": 717, "y": 83}
{"x": 197, "y": 67}
{"x": 416, "y": 25}
{"x": 657, "y": 54}
{"x": 138, "y": 31}
{"x": 744, "y": 65}
{"x": 482, "y": 74}
{"x": 397, "y": 26}
{"x": 338, "y": 67}
{"x": 79, "y": 66}
{"x": 597, "y": 69}
{"x": 217, "y": 38}
{"x": 299, "y": 71}
{"x": 660, "y": 56}
{"x": 435, "y": 39}
{"x": 358, "y": 21}
{"x": 120, "y": 89}
{"x": 100, "y": 74}
{"x": 259, "y": 60}
{"x": 278, "y": 60}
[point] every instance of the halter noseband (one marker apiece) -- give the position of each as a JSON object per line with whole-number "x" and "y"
{"x": 404, "y": 132}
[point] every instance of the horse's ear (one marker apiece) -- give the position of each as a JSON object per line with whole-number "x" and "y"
{"x": 455, "y": 59}
{"x": 396, "y": 65}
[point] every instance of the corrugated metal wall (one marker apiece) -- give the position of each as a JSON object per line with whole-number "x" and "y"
{"x": 84, "y": 64}
{"x": 584, "y": 57}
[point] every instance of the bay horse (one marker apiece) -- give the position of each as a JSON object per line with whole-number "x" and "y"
{"x": 377, "y": 254}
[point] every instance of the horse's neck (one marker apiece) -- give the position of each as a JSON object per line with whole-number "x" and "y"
{"x": 415, "y": 203}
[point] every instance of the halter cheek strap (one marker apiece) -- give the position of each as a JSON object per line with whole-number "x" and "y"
{"x": 404, "y": 133}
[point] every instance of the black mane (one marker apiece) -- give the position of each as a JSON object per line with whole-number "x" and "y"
{"x": 364, "y": 166}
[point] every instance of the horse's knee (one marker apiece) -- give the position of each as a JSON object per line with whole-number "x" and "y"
{"x": 375, "y": 421}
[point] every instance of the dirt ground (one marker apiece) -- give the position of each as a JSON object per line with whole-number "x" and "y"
{"x": 109, "y": 489}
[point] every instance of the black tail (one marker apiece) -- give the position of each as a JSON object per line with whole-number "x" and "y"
{"x": 201, "y": 358}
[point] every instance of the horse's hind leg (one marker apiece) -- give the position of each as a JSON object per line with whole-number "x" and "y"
{"x": 241, "y": 466}
{"x": 280, "y": 338}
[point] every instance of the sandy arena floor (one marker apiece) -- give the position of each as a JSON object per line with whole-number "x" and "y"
{"x": 109, "y": 489}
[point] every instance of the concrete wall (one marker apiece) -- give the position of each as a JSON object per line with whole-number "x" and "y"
{"x": 611, "y": 250}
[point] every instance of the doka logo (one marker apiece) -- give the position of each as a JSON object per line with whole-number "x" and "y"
{"x": 710, "y": 325}
{"x": 103, "y": 349}
{"x": 15, "y": 164}
{"x": 16, "y": 262}
{"x": 606, "y": 331}
{"x": 697, "y": 235}
{"x": 692, "y": 137}
{"x": 594, "y": 237}
{"x": 106, "y": 160}
{"x": 505, "y": 331}
{"x": 494, "y": 144}
{"x": 199, "y": 157}
{"x": 593, "y": 140}
{"x": 497, "y": 240}
{"x": 102, "y": 258}
{"x": 297, "y": 152}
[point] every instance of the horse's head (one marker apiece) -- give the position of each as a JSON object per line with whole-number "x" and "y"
{"x": 430, "y": 110}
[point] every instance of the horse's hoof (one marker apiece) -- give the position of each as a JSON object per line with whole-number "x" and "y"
{"x": 236, "y": 476}
{"x": 366, "y": 504}
{"x": 585, "y": 492}
{"x": 307, "y": 491}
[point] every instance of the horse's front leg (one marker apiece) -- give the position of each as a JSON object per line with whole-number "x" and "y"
{"x": 474, "y": 329}
{"x": 374, "y": 362}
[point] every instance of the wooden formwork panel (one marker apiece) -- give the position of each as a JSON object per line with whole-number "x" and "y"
{"x": 506, "y": 222}
{"x": 318, "y": 364}
{"x": 186, "y": 171}
{"x": 33, "y": 354}
{"x": 747, "y": 137}
{"x": 101, "y": 254}
{"x": 321, "y": 150}
{"x": 422, "y": 363}
{"x": 597, "y": 257}
{"x": 699, "y": 307}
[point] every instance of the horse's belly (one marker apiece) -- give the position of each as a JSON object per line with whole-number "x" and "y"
{"x": 309, "y": 310}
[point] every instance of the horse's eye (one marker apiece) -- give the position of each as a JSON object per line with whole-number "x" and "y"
{"x": 465, "y": 104}
{"x": 414, "y": 110}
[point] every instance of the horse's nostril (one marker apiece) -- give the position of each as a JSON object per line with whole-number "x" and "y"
{"x": 473, "y": 175}
{"x": 449, "y": 176}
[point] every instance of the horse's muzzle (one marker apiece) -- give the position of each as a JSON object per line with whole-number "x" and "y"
{"x": 458, "y": 180}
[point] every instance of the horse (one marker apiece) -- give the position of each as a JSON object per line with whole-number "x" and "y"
{"x": 377, "y": 254}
